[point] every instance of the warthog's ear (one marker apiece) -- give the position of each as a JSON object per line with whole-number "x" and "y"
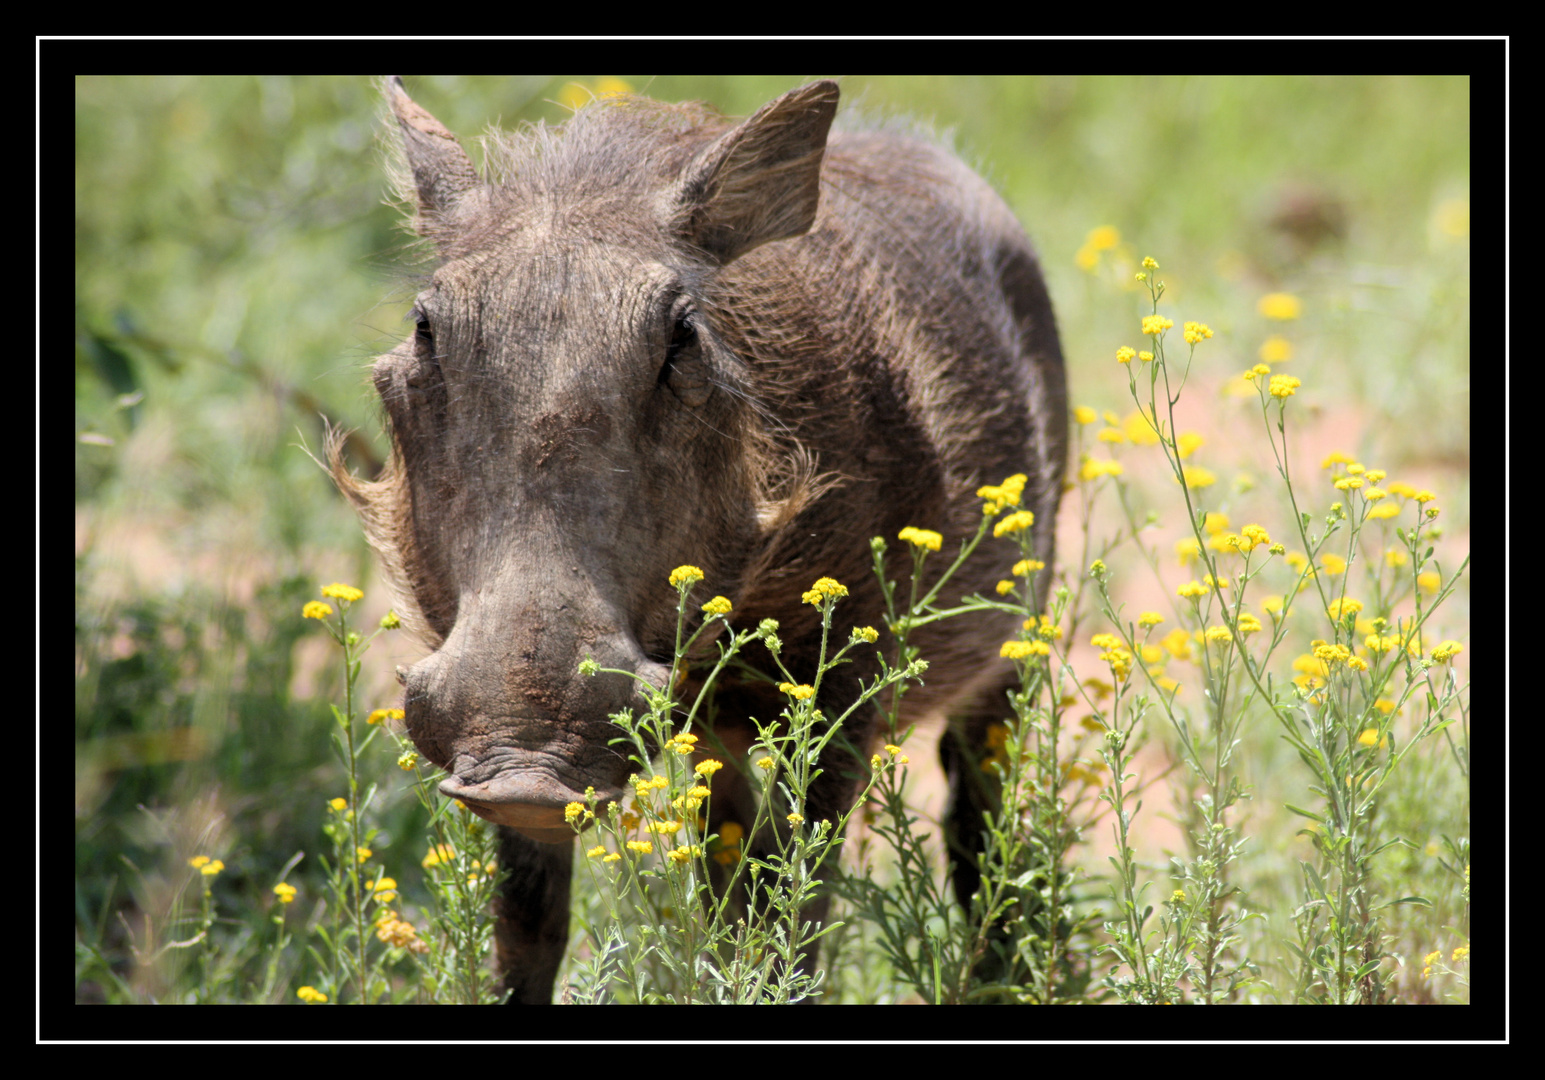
{"x": 760, "y": 181}
{"x": 442, "y": 171}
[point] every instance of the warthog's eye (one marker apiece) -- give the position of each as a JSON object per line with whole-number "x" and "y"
{"x": 424, "y": 336}
{"x": 684, "y": 370}
{"x": 428, "y": 363}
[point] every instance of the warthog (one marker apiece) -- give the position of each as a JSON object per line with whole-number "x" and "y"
{"x": 656, "y": 336}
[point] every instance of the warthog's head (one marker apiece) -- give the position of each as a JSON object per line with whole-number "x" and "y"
{"x": 569, "y": 424}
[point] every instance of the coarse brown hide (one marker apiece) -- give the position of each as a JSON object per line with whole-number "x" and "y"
{"x": 655, "y": 336}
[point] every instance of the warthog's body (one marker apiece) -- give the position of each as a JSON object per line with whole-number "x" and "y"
{"x": 656, "y": 337}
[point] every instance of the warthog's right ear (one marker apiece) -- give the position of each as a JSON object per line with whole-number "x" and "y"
{"x": 442, "y": 171}
{"x": 759, "y": 181}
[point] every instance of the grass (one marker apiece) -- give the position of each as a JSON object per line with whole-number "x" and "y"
{"x": 1207, "y": 844}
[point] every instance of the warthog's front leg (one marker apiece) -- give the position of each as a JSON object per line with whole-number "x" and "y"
{"x": 531, "y": 930}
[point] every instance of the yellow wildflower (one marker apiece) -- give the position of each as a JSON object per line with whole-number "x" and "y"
{"x": 1007, "y": 493}
{"x": 1015, "y": 522}
{"x": 1340, "y": 607}
{"x": 1103, "y": 237}
{"x": 923, "y": 538}
{"x": 1197, "y": 477}
{"x": 1447, "y": 651}
{"x": 685, "y": 575}
{"x": 1274, "y": 350}
{"x": 823, "y": 588}
{"x": 1279, "y": 306}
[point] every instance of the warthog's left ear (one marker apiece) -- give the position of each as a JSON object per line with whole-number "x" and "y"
{"x": 759, "y": 181}
{"x": 442, "y": 171}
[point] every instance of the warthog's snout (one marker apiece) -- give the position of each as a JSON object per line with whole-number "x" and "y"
{"x": 519, "y": 744}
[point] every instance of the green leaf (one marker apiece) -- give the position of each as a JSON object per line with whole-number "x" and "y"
{"x": 1367, "y": 969}
{"x": 114, "y": 367}
{"x": 1419, "y": 901}
{"x": 1305, "y": 813}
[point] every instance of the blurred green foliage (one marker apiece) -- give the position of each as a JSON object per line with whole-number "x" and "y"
{"x": 236, "y": 268}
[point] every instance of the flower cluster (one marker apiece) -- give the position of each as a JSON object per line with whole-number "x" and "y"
{"x": 397, "y": 932}
{"x": 685, "y": 576}
{"x": 642, "y": 787}
{"x": 923, "y": 538}
{"x": 1115, "y": 654}
{"x": 1021, "y": 650}
{"x": 342, "y": 592}
{"x": 823, "y": 588}
{"x": 1284, "y": 386}
{"x": 1007, "y": 493}
{"x": 1018, "y": 521}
